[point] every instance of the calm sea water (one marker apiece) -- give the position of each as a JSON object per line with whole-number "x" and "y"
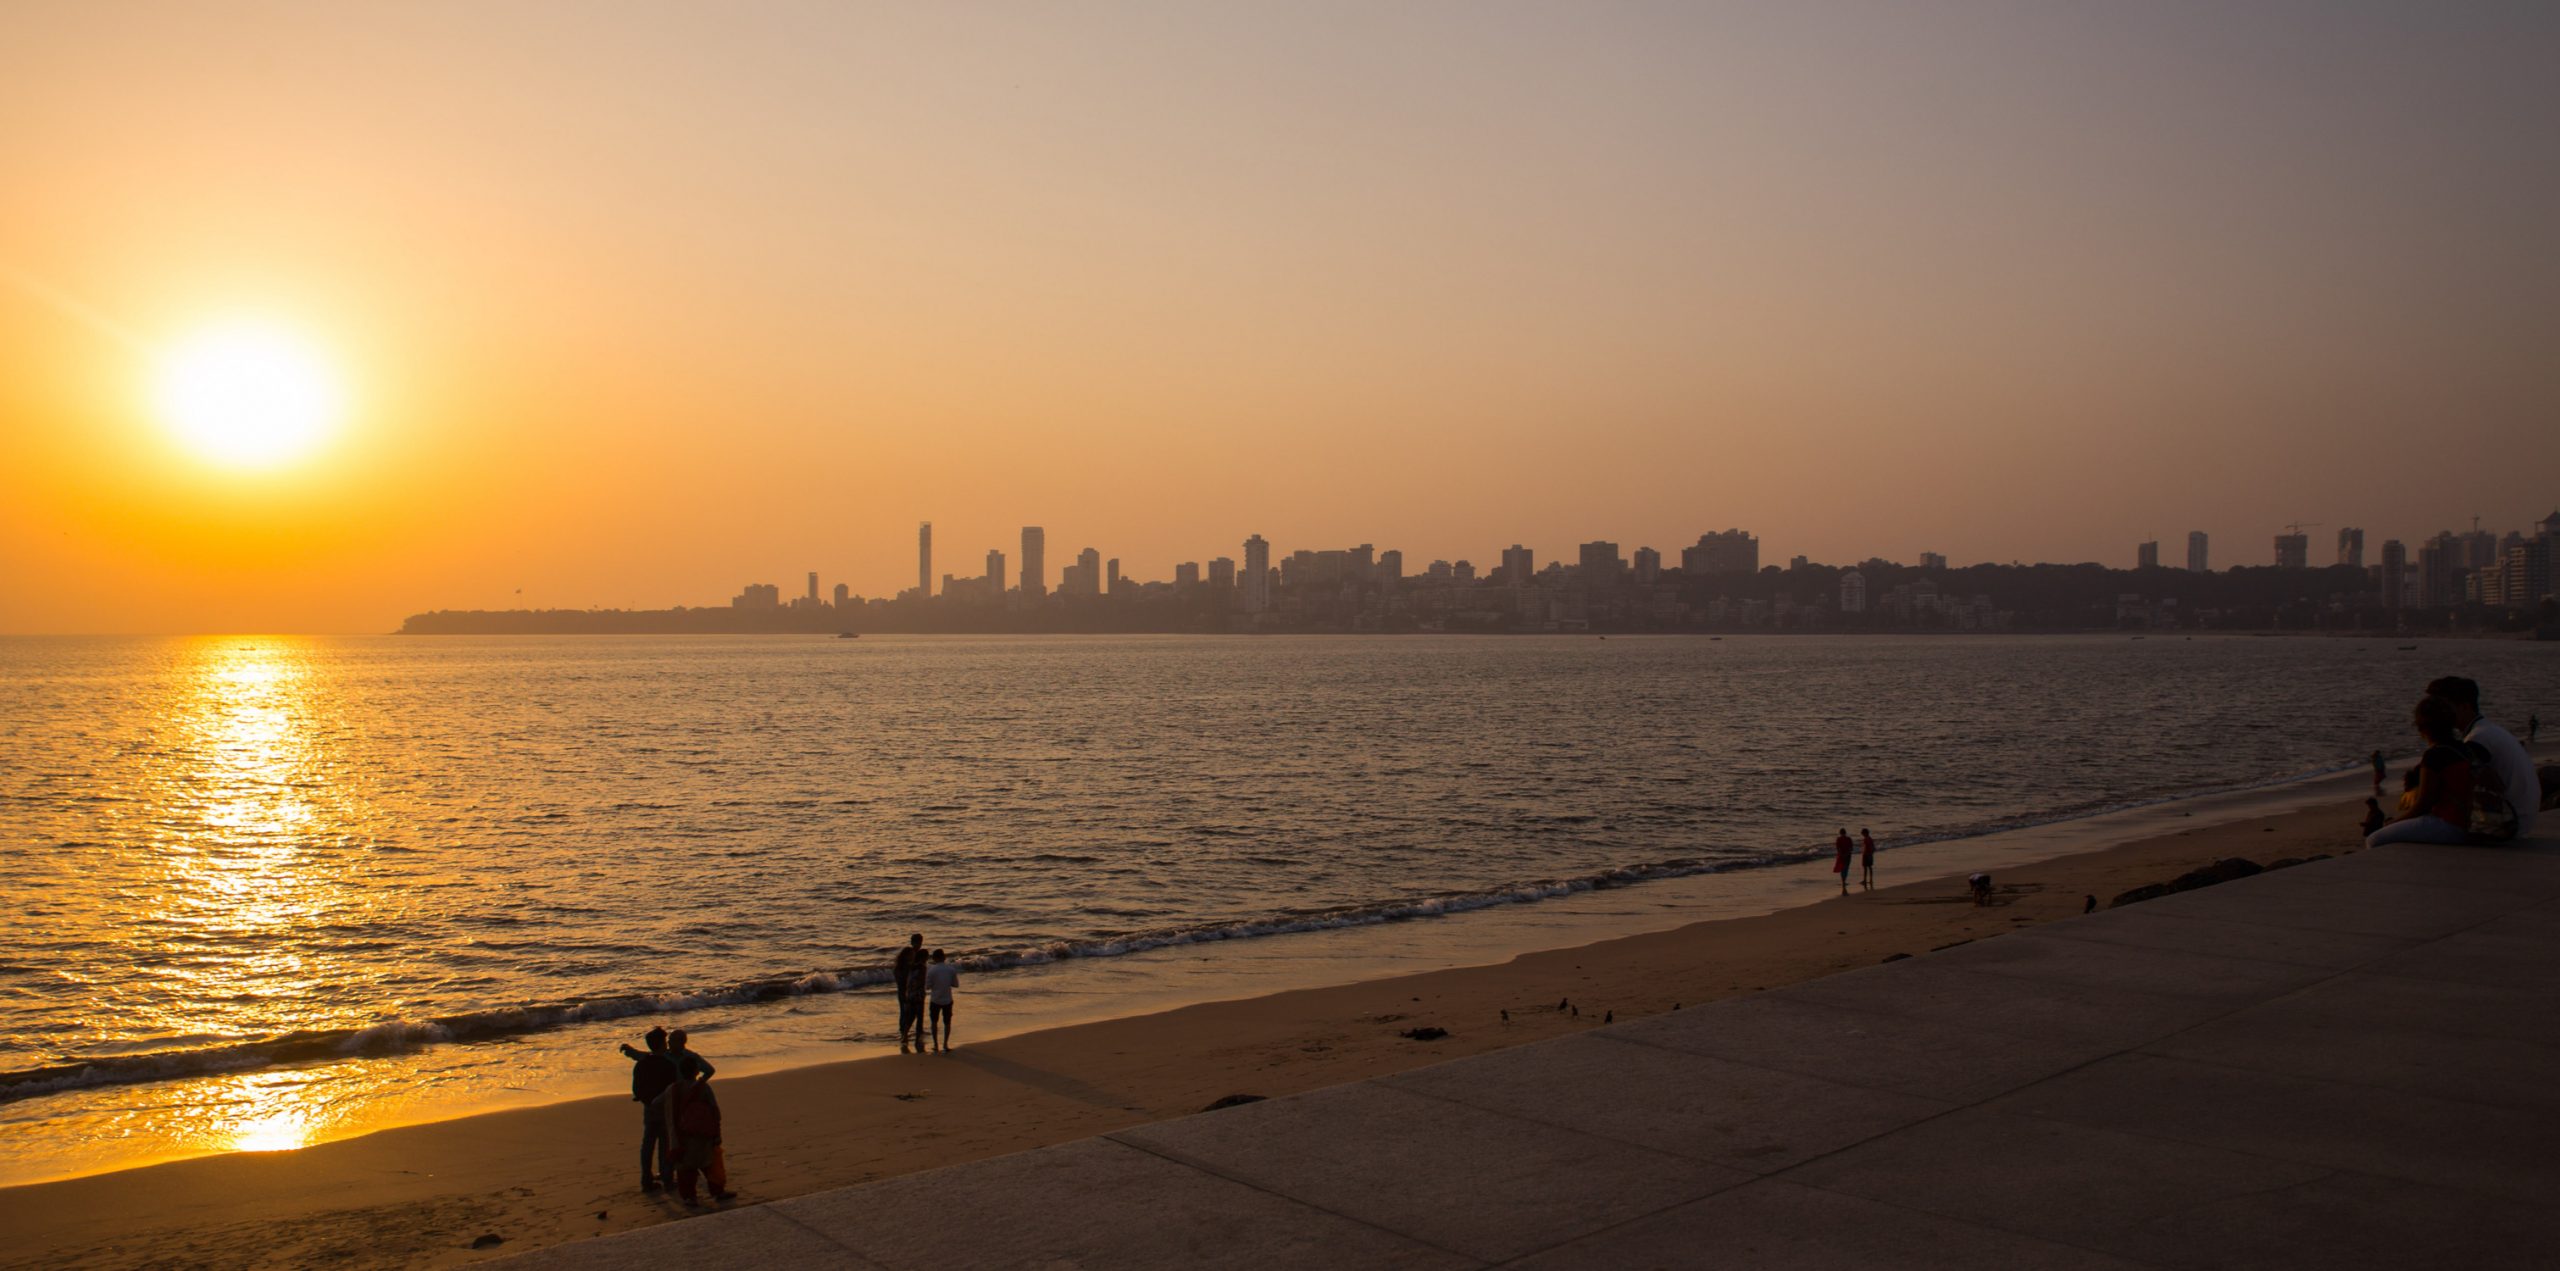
{"x": 270, "y": 890}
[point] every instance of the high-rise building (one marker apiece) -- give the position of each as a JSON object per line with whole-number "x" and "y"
{"x": 2395, "y": 573}
{"x": 1600, "y": 564}
{"x": 1111, "y": 577}
{"x": 1390, "y": 568}
{"x": 1089, "y": 573}
{"x": 813, "y": 586}
{"x": 2199, "y": 561}
{"x": 1257, "y": 575}
{"x": 844, "y": 595}
{"x": 1932, "y": 560}
{"x": 1519, "y": 565}
{"x": 2293, "y": 551}
{"x": 924, "y": 558}
{"x": 1222, "y": 573}
{"x": 1730, "y": 552}
{"x": 1853, "y": 592}
{"x": 2351, "y": 546}
{"x": 1186, "y": 575}
{"x": 1035, "y": 562}
{"x": 1463, "y": 571}
{"x": 995, "y": 571}
{"x": 1648, "y": 566}
{"x": 2147, "y": 555}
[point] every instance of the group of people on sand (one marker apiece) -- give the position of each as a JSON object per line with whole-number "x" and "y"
{"x": 2475, "y": 783}
{"x": 679, "y": 1118}
{"x": 1865, "y": 853}
{"x": 925, "y": 982}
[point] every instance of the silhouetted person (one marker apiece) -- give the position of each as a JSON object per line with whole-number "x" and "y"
{"x": 652, "y": 1071}
{"x": 1866, "y": 859}
{"x": 1980, "y": 886}
{"x": 939, "y": 979}
{"x": 2440, "y": 812}
{"x": 2508, "y": 788}
{"x": 693, "y": 1119}
{"x": 2380, "y": 770}
{"x": 1840, "y": 862}
{"x": 688, "y": 1064}
{"x": 2088, "y": 904}
{"x": 909, "y": 973}
{"x": 2374, "y": 817}
{"x": 2532, "y": 728}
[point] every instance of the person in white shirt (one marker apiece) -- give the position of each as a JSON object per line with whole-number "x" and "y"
{"x": 940, "y": 977}
{"x": 2515, "y": 767}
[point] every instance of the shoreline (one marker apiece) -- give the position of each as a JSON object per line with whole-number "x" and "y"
{"x": 808, "y": 1026}
{"x": 421, "y": 1194}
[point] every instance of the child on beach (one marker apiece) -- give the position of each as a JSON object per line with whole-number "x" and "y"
{"x": 940, "y": 977}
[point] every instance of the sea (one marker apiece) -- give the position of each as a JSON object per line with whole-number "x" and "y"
{"x": 267, "y": 891}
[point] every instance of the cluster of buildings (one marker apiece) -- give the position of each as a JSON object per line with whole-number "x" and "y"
{"x": 2453, "y": 568}
{"x": 1364, "y": 589}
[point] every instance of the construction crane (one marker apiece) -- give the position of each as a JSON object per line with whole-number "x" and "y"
{"x": 2299, "y": 526}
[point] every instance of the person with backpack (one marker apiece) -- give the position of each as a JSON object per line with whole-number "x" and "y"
{"x": 2507, "y": 780}
{"x": 652, "y": 1071}
{"x": 2441, "y": 810}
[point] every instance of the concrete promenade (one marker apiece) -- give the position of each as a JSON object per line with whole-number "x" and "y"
{"x": 2352, "y": 1063}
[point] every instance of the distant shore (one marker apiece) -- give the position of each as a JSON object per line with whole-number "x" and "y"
{"x": 421, "y": 1195}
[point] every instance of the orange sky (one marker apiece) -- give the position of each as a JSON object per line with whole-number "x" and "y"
{"x": 641, "y": 302}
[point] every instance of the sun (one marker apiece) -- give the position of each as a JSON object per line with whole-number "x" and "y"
{"x": 248, "y": 394}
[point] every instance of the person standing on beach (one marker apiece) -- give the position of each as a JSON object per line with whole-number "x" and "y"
{"x": 2532, "y": 728}
{"x": 908, "y": 972}
{"x": 687, "y": 1063}
{"x": 2516, "y": 779}
{"x": 1866, "y": 859}
{"x": 651, "y": 1073}
{"x": 939, "y": 979}
{"x": 2380, "y": 770}
{"x": 1840, "y": 865}
{"x": 693, "y": 1120}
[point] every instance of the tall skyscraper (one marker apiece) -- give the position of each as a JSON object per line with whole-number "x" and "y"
{"x": 924, "y": 558}
{"x": 1222, "y": 573}
{"x": 1390, "y": 568}
{"x": 2351, "y": 547}
{"x": 1088, "y": 574}
{"x": 2395, "y": 573}
{"x": 2147, "y": 555}
{"x": 813, "y": 586}
{"x": 1257, "y": 575}
{"x": 2198, "y": 561}
{"x": 2293, "y": 551}
{"x": 995, "y": 572}
{"x": 1035, "y": 566}
{"x": 1519, "y": 565}
{"x": 1648, "y": 566}
{"x": 1600, "y": 565}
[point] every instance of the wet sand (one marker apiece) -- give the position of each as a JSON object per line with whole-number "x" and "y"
{"x": 422, "y": 1195}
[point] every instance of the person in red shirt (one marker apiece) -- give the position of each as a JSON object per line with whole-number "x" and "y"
{"x": 1842, "y": 845}
{"x": 1867, "y": 858}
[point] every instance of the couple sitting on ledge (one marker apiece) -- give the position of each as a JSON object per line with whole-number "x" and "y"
{"x": 2475, "y": 784}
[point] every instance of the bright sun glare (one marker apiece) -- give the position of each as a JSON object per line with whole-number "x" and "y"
{"x": 248, "y": 394}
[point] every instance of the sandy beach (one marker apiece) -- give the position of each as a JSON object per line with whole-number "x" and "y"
{"x": 424, "y": 1195}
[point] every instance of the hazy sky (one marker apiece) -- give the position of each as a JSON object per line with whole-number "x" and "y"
{"x": 639, "y": 302}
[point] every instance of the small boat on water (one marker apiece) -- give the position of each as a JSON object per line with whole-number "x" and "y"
{"x": 848, "y": 635}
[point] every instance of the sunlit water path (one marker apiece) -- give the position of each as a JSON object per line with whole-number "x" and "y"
{"x": 273, "y": 890}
